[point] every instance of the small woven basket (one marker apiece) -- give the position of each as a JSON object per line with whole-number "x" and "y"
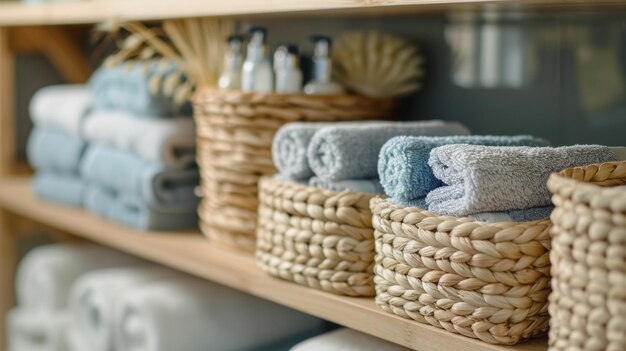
{"x": 588, "y": 302}
{"x": 235, "y": 131}
{"x": 483, "y": 280}
{"x": 317, "y": 238}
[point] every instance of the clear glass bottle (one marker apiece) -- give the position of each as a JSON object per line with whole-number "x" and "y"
{"x": 256, "y": 73}
{"x": 233, "y": 62}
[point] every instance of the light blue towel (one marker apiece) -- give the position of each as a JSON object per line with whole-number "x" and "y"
{"x": 371, "y": 186}
{"x": 158, "y": 187}
{"x": 131, "y": 211}
{"x": 351, "y": 151}
{"x": 66, "y": 189}
{"x": 126, "y": 87}
{"x": 403, "y": 163}
{"x": 54, "y": 150}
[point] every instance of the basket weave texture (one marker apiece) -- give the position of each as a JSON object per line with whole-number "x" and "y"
{"x": 588, "y": 302}
{"x": 483, "y": 280}
{"x": 235, "y": 131}
{"x": 317, "y": 238}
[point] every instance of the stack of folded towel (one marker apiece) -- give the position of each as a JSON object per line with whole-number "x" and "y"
{"x": 344, "y": 156}
{"x": 347, "y": 340}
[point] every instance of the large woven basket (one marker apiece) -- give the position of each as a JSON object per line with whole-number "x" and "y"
{"x": 317, "y": 238}
{"x": 235, "y": 132}
{"x": 588, "y": 302}
{"x": 483, "y": 280}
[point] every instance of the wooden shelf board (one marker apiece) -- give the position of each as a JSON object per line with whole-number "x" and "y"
{"x": 193, "y": 253}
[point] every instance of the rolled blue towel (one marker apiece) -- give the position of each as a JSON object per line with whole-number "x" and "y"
{"x": 159, "y": 187}
{"x": 403, "y": 163}
{"x": 66, "y": 189}
{"x": 351, "y": 151}
{"x": 371, "y": 186}
{"x": 498, "y": 178}
{"x": 54, "y": 150}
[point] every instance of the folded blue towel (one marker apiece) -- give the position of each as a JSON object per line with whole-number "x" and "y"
{"x": 403, "y": 162}
{"x": 127, "y": 87}
{"x": 66, "y": 189}
{"x": 371, "y": 186}
{"x": 54, "y": 150}
{"x": 157, "y": 186}
{"x": 351, "y": 151}
{"x": 133, "y": 212}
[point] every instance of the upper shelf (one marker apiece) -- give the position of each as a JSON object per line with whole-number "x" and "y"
{"x": 93, "y": 11}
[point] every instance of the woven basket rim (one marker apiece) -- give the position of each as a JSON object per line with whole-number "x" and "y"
{"x": 576, "y": 176}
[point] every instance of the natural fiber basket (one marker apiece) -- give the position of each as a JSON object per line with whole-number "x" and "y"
{"x": 483, "y": 280}
{"x": 235, "y": 132}
{"x": 317, "y": 238}
{"x": 588, "y": 302}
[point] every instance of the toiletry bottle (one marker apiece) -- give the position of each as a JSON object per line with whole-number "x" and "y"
{"x": 288, "y": 73}
{"x": 322, "y": 83}
{"x": 233, "y": 61}
{"x": 257, "y": 72}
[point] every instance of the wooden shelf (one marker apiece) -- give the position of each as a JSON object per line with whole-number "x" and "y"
{"x": 93, "y": 11}
{"x": 193, "y": 253}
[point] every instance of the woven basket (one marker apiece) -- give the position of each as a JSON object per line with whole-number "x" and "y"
{"x": 235, "y": 132}
{"x": 483, "y": 280}
{"x": 588, "y": 302}
{"x": 317, "y": 238}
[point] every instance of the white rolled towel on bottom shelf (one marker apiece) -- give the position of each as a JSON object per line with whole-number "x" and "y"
{"x": 346, "y": 340}
{"x": 188, "y": 314}
{"x": 46, "y": 274}
{"x": 30, "y": 330}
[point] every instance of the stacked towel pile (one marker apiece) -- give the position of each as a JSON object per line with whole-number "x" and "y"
{"x": 344, "y": 156}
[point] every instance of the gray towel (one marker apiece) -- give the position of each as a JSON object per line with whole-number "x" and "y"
{"x": 371, "y": 186}
{"x": 495, "y": 178}
{"x": 351, "y": 152}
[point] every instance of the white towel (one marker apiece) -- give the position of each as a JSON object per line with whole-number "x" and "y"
{"x": 46, "y": 274}
{"x": 94, "y": 296}
{"x": 29, "y": 330}
{"x": 347, "y": 340}
{"x": 61, "y": 107}
{"x": 75, "y": 340}
{"x": 166, "y": 140}
{"x": 188, "y": 314}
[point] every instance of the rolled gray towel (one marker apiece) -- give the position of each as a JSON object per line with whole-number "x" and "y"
{"x": 351, "y": 151}
{"x": 494, "y": 179}
{"x": 371, "y": 186}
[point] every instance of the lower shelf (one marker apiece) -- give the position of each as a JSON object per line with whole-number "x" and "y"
{"x": 192, "y": 253}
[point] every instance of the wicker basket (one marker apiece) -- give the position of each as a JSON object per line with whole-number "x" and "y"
{"x": 317, "y": 238}
{"x": 235, "y": 132}
{"x": 588, "y": 302}
{"x": 483, "y": 280}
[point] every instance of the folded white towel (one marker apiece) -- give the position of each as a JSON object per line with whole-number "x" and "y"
{"x": 188, "y": 314}
{"x": 346, "y": 340}
{"x": 46, "y": 274}
{"x": 61, "y": 107}
{"x": 93, "y": 299}
{"x": 167, "y": 140}
{"x": 37, "y": 330}
{"x": 75, "y": 340}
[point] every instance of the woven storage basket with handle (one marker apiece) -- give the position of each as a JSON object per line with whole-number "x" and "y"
{"x": 588, "y": 302}
{"x": 317, "y": 238}
{"x": 484, "y": 280}
{"x": 235, "y": 132}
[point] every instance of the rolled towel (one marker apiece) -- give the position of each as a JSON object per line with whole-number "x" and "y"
{"x": 169, "y": 141}
{"x": 94, "y": 296}
{"x": 131, "y": 211}
{"x": 67, "y": 189}
{"x": 46, "y": 274}
{"x": 61, "y": 107}
{"x": 371, "y": 186}
{"x": 403, "y": 163}
{"x": 75, "y": 340}
{"x": 494, "y": 179}
{"x": 351, "y": 152}
{"x": 188, "y": 314}
{"x": 347, "y": 340}
{"x": 54, "y": 150}
{"x": 30, "y": 330}
{"x": 158, "y": 187}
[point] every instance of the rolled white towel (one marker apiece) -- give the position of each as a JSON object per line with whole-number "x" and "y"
{"x": 188, "y": 314}
{"x": 75, "y": 340}
{"x": 346, "y": 340}
{"x": 46, "y": 274}
{"x": 30, "y": 330}
{"x": 61, "y": 107}
{"x": 94, "y": 296}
